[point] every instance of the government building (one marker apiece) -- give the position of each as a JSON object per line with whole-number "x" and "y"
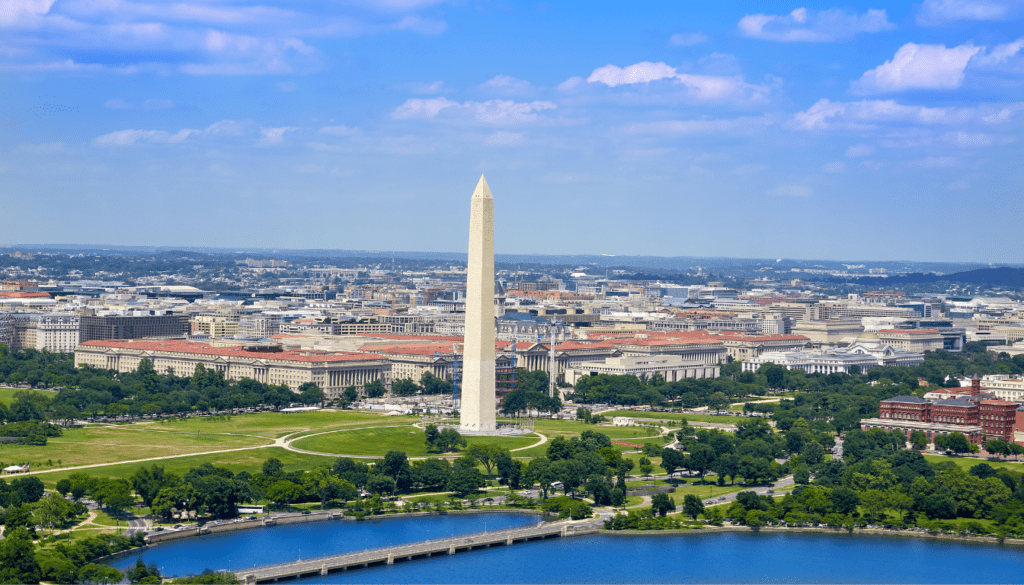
{"x": 333, "y": 372}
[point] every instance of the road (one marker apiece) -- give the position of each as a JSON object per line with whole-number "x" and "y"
{"x": 761, "y": 491}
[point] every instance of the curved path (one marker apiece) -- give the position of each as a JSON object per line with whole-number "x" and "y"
{"x": 543, "y": 439}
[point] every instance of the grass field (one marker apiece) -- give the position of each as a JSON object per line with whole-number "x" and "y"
{"x": 7, "y": 394}
{"x": 969, "y": 462}
{"x": 276, "y": 424}
{"x": 111, "y": 444}
{"x": 251, "y": 461}
{"x": 554, "y": 428}
{"x": 708, "y": 418}
{"x": 380, "y": 440}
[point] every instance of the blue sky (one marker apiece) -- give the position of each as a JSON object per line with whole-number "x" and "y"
{"x": 803, "y": 130}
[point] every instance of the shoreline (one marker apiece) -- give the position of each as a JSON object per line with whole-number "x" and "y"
{"x": 828, "y": 531}
{"x": 154, "y": 538}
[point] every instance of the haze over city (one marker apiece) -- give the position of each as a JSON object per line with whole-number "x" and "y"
{"x": 806, "y": 131}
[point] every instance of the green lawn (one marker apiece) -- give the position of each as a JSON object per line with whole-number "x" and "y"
{"x": 380, "y": 440}
{"x": 969, "y": 462}
{"x": 676, "y": 416}
{"x": 251, "y": 461}
{"x": 553, "y": 428}
{"x": 93, "y": 445}
{"x": 277, "y": 424}
{"x": 7, "y": 394}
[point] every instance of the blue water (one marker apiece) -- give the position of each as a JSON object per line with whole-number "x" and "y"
{"x": 238, "y": 550}
{"x": 669, "y": 558}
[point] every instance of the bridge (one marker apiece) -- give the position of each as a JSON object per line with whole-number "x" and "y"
{"x": 420, "y": 550}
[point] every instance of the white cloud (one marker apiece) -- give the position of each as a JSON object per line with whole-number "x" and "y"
{"x": 23, "y": 11}
{"x": 420, "y": 108}
{"x": 817, "y": 27}
{"x": 937, "y": 12}
{"x": 998, "y": 54}
{"x": 508, "y": 85}
{"x": 918, "y": 67}
{"x": 749, "y": 169}
{"x": 194, "y": 37}
{"x": 828, "y": 115}
{"x": 834, "y": 167}
{"x": 958, "y": 186}
{"x": 976, "y": 139}
{"x": 504, "y": 138}
{"x": 130, "y": 137}
{"x": 699, "y": 87}
{"x": 859, "y": 150}
{"x": 273, "y": 135}
{"x": 223, "y": 128}
{"x": 791, "y": 191}
{"x": 150, "y": 104}
{"x": 687, "y": 39}
{"x": 570, "y": 84}
{"x": 497, "y": 112}
{"x": 700, "y": 126}
{"x": 426, "y": 88}
{"x": 644, "y": 72}
{"x": 936, "y": 162}
{"x": 336, "y": 130}
{"x": 424, "y": 26}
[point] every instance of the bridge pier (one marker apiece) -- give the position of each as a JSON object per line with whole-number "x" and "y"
{"x": 451, "y": 549}
{"x": 323, "y": 569}
{"x": 391, "y": 559}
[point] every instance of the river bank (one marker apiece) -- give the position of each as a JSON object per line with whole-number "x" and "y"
{"x": 829, "y": 531}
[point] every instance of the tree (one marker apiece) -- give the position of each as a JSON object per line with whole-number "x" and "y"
{"x": 443, "y": 441}
{"x": 148, "y": 481}
{"x": 997, "y": 447}
{"x": 350, "y": 395}
{"x": 375, "y": 389}
{"x": 671, "y": 460}
{"x": 692, "y": 506}
{"x": 540, "y": 471}
{"x": 396, "y": 466}
{"x": 273, "y": 467}
{"x": 320, "y": 482}
{"x": 702, "y": 457}
{"x": 310, "y": 393}
{"x": 380, "y": 484}
{"x": 465, "y": 478}
{"x": 17, "y": 558}
{"x": 404, "y": 387}
{"x": 284, "y": 491}
{"x": 801, "y": 475}
{"x": 955, "y": 442}
{"x": 918, "y": 440}
{"x": 662, "y": 504}
{"x": 95, "y": 573}
{"x": 140, "y": 573}
{"x": 485, "y": 454}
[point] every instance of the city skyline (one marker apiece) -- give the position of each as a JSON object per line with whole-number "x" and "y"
{"x": 815, "y": 131}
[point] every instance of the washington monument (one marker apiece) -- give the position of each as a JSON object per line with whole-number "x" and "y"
{"x": 478, "y": 401}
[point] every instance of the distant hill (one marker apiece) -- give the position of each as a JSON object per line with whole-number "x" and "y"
{"x": 1004, "y": 277}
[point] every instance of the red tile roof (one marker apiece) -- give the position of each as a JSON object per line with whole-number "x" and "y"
{"x": 193, "y": 347}
{"x": 24, "y": 295}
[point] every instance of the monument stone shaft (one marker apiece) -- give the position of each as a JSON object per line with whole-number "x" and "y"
{"x": 478, "y": 400}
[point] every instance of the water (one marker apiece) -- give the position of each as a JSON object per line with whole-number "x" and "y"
{"x": 693, "y": 557}
{"x": 241, "y": 549}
